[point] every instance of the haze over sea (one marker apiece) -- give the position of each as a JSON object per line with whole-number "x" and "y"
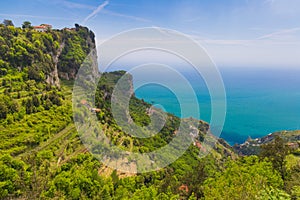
{"x": 259, "y": 100}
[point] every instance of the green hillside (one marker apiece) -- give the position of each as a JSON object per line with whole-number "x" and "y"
{"x": 42, "y": 157}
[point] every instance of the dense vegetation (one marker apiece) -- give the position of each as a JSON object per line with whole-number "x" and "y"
{"x": 41, "y": 155}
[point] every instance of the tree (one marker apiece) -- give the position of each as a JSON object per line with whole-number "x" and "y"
{"x": 292, "y": 184}
{"x": 145, "y": 193}
{"x": 13, "y": 106}
{"x": 247, "y": 178}
{"x": 115, "y": 177}
{"x": 48, "y": 104}
{"x": 194, "y": 179}
{"x": 8, "y": 22}
{"x": 4, "y": 82}
{"x": 3, "y": 71}
{"x": 276, "y": 152}
{"x": 34, "y": 73}
{"x": 13, "y": 173}
{"x": 26, "y": 24}
{"x": 36, "y": 102}
{"x": 3, "y": 110}
{"x": 77, "y": 27}
{"x": 29, "y": 106}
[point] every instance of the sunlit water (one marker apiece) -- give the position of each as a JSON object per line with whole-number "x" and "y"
{"x": 259, "y": 101}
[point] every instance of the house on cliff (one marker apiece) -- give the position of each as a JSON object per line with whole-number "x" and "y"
{"x": 42, "y": 27}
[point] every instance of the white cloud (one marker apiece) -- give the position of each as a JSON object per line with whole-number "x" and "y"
{"x": 285, "y": 7}
{"x": 96, "y": 11}
{"x": 279, "y": 48}
{"x": 284, "y": 35}
{"x": 68, "y": 4}
{"x": 34, "y": 16}
{"x": 125, "y": 16}
{"x": 72, "y": 5}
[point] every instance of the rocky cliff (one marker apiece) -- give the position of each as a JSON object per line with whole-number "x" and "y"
{"x": 44, "y": 56}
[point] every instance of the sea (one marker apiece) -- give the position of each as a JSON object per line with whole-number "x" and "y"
{"x": 259, "y": 100}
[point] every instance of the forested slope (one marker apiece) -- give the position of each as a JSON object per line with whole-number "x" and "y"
{"x": 42, "y": 157}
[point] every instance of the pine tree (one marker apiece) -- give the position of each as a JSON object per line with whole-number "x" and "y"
{"x": 276, "y": 152}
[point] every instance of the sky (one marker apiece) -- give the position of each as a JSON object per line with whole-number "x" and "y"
{"x": 235, "y": 33}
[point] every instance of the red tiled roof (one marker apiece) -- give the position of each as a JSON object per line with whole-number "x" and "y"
{"x": 198, "y": 145}
{"x": 39, "y": 27}
{"x": 184, "y": 188}
{"x": 83, "y": 101}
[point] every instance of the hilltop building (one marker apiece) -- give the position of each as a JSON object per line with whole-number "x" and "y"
{"x": 42, "y": 27}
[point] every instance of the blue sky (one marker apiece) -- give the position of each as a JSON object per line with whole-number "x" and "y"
{"x": 234, "y": 32}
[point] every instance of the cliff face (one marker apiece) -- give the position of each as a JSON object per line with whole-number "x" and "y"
{"x": 52, "y": 77}
{"x": 44, "y": 56}
{"x": 78, "y": 43}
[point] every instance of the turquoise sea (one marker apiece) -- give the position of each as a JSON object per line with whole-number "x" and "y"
{"x": 259, "y": 100}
